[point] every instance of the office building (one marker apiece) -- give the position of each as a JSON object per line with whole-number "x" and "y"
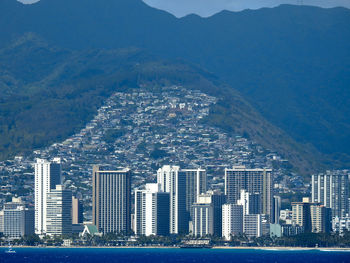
{"x": 59, "y": 209}
{"x": 252, "y": 181}
{"x": 47, "y": 176}
{"x": 232, "y": 220}
{"x": 332, "y": 190}
{"x": 77, "y": 211}
{"x": 152, "y": 211}
{"x": 111, "y": 200}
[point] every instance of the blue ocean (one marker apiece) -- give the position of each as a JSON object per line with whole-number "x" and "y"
{"x": 154, "y": 255}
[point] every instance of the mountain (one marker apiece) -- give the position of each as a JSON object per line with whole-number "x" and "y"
{"x": 290, "y": 64}
{"x": 207, "y": 8}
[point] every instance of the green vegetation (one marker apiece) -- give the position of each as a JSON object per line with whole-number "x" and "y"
{"x": 112, "y": 134}
{"x": 310, "y": 240}
{"x": 287, "y": 71}
{"x": 37, "y": 112}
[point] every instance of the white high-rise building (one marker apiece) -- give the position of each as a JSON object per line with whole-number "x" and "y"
{"x": 47, "y": 176}
{"x": 170, "y": 182}
{"x": 251, "y": 203}
{"x": 332, "y": 189}
{"x": 232, "y": 220}
{"x": 183, "y": 185}
{"x": 151, "y": 211}
{"x": 203, "y": 216}
{"x": 59, "y": 211}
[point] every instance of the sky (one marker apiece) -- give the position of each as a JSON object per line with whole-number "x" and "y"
{"x": 207, "y": 8}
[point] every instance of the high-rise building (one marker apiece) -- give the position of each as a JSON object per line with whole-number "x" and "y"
{"x": 152, "y": 211}
{"x": 196, "y": 184}
{"x": 111, "y": 200}
{"x": 2, "y": 221}
{"x": 232, "y": 220}
{"x": 251, "y": 202}
{"x": 18, "y": 220}
{"x": 252, "y": 225}
{"x": 47, "y": 176}
{"x": 321, "y": 218}
{"x": 183, "y": 185}
{"x": 253, "y": 181}
{"x": 77, "y": 211}
{"x": 203, "y": 216}
{"x": 313, "y": 217}
{"x": 59, "y": 209}
{"x": 332, "y": 190}
{"x": 276, "y": 209}
{"x": 302, "y": 214}
{"x": 217, "y": 200}
{"x": 175, "y": 184}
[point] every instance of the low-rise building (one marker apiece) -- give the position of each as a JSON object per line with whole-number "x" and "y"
{"x": 340, "y": 224}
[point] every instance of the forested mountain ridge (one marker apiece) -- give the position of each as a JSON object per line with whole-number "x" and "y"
{"x": 290, "y": 63}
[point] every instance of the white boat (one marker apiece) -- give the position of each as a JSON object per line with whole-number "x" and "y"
{"x": 10, "y": 250}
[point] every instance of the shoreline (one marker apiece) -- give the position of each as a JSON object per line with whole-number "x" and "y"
{"x": 330, "y": 249}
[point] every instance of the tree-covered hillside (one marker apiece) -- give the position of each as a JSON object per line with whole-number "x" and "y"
{"x": 291, "y": 63}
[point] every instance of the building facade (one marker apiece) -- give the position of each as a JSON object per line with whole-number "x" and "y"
{"x": 252, "y": 225}
{"x": 339, "y": 225}
{"x": 77, "y": 211}
{"x": 152, "y": 211}
{"x": 203, "y": 217}
{"x": 59, "y": 211}
{"x": 251, "y": 202}
{"x": 174, "y": 183}
{"x": 47, "y": 176}
{"x": 111, "y": 200}
{"x": 252, "y": 181}
{"x": 196, "y": 184}
{"x": 232, "y": 220}
{"x": 17, "y": 219}
{"x": 321, "y": 218}
{"x": 332, "y": 190}
{"x": 276, "y": 210}
{"x": 302, "y": 214}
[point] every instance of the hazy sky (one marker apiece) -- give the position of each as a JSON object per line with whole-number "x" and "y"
{"x": 210, "y": 7}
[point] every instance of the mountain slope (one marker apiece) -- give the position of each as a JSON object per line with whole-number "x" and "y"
{"x": 291, "y": 63}
{"x": 35, "y": 111}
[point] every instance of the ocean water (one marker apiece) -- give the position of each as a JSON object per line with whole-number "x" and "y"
{"x": 154, "y": 255}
